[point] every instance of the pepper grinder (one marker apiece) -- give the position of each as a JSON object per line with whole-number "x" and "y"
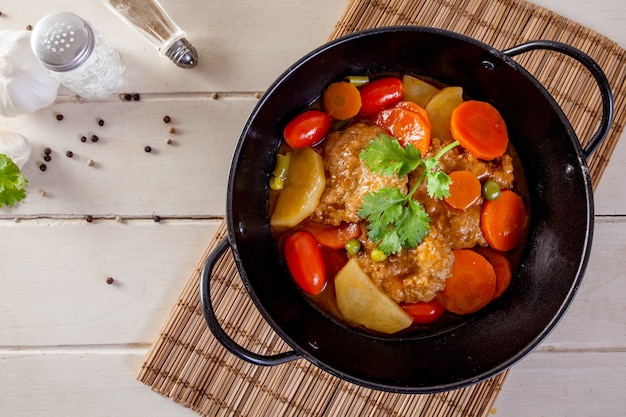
{"x": 150, "y": 19}
{"x": 76, "y": 55}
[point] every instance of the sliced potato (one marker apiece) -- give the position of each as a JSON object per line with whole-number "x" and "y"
{"x": 417, "y": 90}
{"x": 362, "y": 302}
{"x": 440, "y": 109}
{"x": 303, "y": 188}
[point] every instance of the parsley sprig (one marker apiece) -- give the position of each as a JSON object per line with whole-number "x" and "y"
{"x": 12, "y": 182}
{"x": 396, "y": 220}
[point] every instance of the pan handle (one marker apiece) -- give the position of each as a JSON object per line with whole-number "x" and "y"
{"x": 216, "y": 328}
{"x": 596, "y": 71}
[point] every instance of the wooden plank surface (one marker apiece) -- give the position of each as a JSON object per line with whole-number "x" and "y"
{"x": 236, "y": 40}
{"x": 185, "y": 178}
{"x": 70, "y": 344}
{"x": 55, "y": 290}
{"x": 63, "y": 384}
{"x": 609, "y": 198}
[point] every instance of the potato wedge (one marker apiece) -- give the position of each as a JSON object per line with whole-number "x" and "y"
{"x": 417, "y": 90}
{"x": 440, "y": 108}
{"x": 303, "y": 188}
{"x": 361, "y": 302}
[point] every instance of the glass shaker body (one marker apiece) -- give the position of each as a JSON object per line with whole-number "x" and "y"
{"x": 77, "y": 56}
{"x": 150, "y": 19}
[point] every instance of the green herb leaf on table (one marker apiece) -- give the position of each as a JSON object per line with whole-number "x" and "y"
{"x": 396, "y": 220}
{"x": 12, "y": 182}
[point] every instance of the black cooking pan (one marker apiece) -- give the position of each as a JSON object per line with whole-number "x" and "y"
{"x": 553, "y": 260}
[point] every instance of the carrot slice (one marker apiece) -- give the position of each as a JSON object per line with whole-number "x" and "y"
{"x": 407, "y": 126}
{"x": 501, "y": 266}
{"x": 465, "y": 189}
{"x": 333, "y": 237}
{"x": 471, "y": 285}
{"x": 502, "y": 221}
{"x": 480, "y": 129}
{"x": 410, "y": 105}
{"x": 342, "y": 100}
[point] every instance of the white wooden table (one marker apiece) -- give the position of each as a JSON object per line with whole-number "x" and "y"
{"x": 70, "y": 344}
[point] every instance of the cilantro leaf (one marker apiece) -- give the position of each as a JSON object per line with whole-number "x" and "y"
{"x": 391, "y": 242}
{"x": 438, "y": 184}
{"x": 384, "y": 208}
{"x": 384, "y": 155}
{"x": 414, "y": 225}
{"x": 382, "y": 204}
{"x": 396, "y": 220}
{"x": 12, "y": 182}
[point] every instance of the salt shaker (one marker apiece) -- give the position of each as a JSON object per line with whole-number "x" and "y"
{"x": 76, "y": 55}
{"x": 150, "y": 19}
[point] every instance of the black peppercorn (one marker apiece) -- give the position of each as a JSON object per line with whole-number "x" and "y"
{"x": 69, "y": 154}
{"x": 43, "y": 167}
{"x": 47, "y": 151}
{"x": 147, "y": 148}
{"x": 47, "y": 158}
{"x": 83, "y": 139}
{"x": 100, "y": 122}
{"x": 110, "y": 280}
{"x": 59, "y": 117}
{"x": 136, "y": 97}
{"x": 157, "y": 218}
{"x": 89, "y": 218}
{"x": 94, "y": 138}
{"x": 128, "y": 97}
{"x": 167, "y": 119}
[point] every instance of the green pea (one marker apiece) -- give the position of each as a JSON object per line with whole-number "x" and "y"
{"x": 491, "y": 190}
{"x": 377, "y": 255}
{"x": 353, "y": 246}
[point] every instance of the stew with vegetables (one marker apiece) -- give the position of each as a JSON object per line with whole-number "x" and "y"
{"x": 398, "y": 204}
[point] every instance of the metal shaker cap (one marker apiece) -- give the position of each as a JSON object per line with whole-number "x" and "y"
{"x": 183, "y": 54}
{"x": 62, "y": 41}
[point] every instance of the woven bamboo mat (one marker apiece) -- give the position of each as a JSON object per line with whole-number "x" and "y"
{"x": 187, "y": 364}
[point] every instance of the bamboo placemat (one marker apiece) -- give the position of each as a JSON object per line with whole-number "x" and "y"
{"x": 188, "y": 365}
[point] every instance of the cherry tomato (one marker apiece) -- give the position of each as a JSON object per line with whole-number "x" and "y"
{"x": 307, "y": 128}
{"x": 380, "y": 94}
{"x": 305, "y": 261}
{"x": 424, "y": 313}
